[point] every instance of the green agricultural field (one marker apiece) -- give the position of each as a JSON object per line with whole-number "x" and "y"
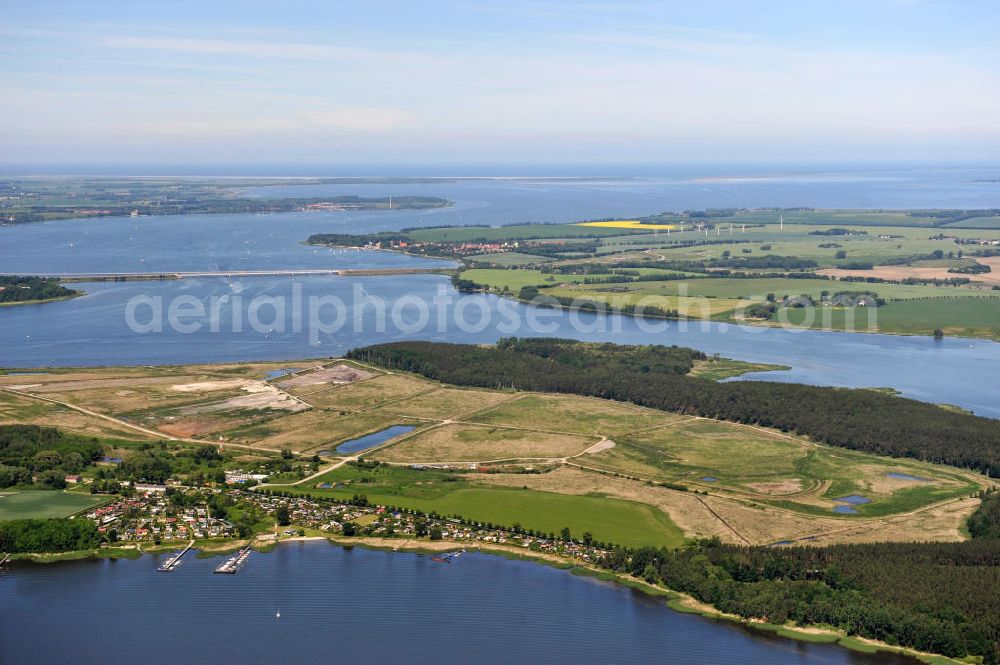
{"x": 965, "y": 317}
{"x": 521, "y": 231}
{"x": 797, "y": 240}
{"x": 619, "y": 295}
{"x": 510, "y": 259}
{"x": 757, "y": 289}
{"x": 976, "y": 223}
{"x": 41, "y": 504}
{"x": 514, "y": 280}
{"x": 624, "y": 522}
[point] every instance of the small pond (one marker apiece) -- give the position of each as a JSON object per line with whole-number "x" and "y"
{"x": 854, "y": 499}
{"x": 374, "y": 439}
{"x": 906, "y": 476}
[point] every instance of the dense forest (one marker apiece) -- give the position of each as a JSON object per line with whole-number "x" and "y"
{"x": 851, "y": 418}
{"x": 937, "y": 597}
{"x": 52, "y": 535}
{"x": 44, "y": 452}
{"x": 985, "y": 522}
{"x": 28, "y": 289}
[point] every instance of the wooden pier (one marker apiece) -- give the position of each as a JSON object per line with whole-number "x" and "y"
{"x": 234, "y": 563}
{"x": 175, "y": 560}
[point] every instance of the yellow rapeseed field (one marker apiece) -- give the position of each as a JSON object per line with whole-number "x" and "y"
{"x": 629, "y": 224}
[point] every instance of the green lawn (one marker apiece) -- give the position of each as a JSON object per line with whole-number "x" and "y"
{"x": 615, "y": 520}
{"x": 39, "y": 504}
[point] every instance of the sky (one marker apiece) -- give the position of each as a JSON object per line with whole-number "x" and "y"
{"x": 507, "y": 82}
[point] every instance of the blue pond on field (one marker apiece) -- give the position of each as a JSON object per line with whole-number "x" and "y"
{"x": 846, "y": 503}
{"x": 709, "y": 479}
{"x": 906, "y": 476}
{"x": 374, "y": 439}
{"x": 854, "y": 499}
{"x": 278, "y": 373}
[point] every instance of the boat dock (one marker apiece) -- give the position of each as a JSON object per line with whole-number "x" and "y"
{"x": 234, "y": 563}
{"x": 447, "y": 557}
{"x": 175, "y": 560}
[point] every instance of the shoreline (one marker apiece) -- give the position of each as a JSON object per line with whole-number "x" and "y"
{"x": 674, "y": 600}
{"x": 18, "y": 303}
{"x": 756, "y": 323}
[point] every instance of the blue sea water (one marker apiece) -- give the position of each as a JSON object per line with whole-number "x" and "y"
{"x": 359, "y": 606}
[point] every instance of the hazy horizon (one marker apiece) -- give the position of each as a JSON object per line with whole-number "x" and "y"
{"x": 314, "y": 85}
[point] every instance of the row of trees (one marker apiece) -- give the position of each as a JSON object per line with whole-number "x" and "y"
{"x": 985, "y": 522}
{"x": 851, "y": 418}
{"x": 937, "y": 597}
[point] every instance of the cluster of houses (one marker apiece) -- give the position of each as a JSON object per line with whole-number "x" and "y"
{"x": 241, "y": 477}
{"x": 986, "y": 242}
{"x": 449, "y": 248}
{"x": 383, "y": 522}
{"x": 151, "y": 516}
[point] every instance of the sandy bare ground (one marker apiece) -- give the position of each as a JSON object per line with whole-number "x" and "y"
{"x": 90, "y": 384}
{"x": 338, "y": 374}
{"x": 790, "y": 486}
{"x": 209, "y": 386}
{"x": 260, "y": 396}
{"x": 600, "y": 446}
{"x": 898, "y": 273}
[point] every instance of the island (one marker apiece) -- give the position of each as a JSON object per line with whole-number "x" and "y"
{"x": 38, "y": 199}
{"x": 22, "y": 290}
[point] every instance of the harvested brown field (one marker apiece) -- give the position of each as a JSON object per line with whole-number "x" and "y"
{"x": 448, "y": 403}
{"x": 190, "y": 428}
{"x": 470, "y": 443}
{"x": 579, "y": 415}
{"x": 789, "y": 486}
{"x": 17, "y": 409}
{"x": 899, "y": 273}
{"x": 365, "y": 394}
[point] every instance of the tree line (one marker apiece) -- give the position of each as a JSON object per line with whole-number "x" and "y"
{"x": 51, "y": 535}
{"x": 851, "y": 418}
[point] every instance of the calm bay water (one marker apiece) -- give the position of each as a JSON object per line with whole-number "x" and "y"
{"x": 92, "y": 330}
{"x": 361, "y": 606}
